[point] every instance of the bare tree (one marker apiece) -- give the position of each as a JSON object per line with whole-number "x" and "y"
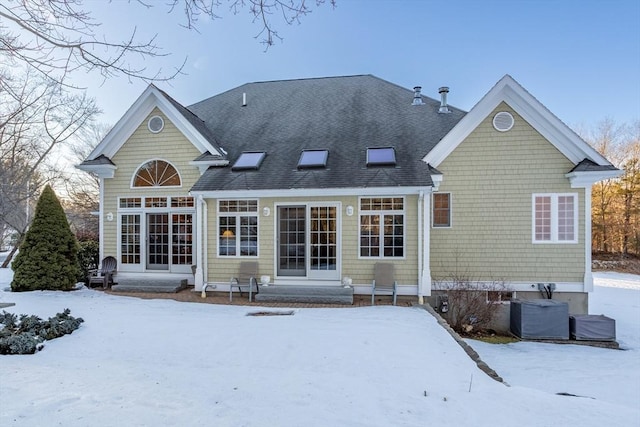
{"x": 59, "y": 37}
{"x": 615, "y": 202}
{"x": 81, "y": 201}
{"x": 36, "y": 117}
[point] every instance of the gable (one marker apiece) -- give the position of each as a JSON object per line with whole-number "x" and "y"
{"x": 193, "y": 129}
{"x": 508, "y": 91}
{"x": 521, "y": 156}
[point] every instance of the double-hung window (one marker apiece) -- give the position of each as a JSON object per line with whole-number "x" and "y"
{"x": 238, "y": 228}
{"x": 441, "y": 210}
{"x": 555, "y": 218}
{"x": 382, "y": 227}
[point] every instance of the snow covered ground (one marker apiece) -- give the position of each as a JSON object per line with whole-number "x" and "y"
{"x": 164, "y": 363}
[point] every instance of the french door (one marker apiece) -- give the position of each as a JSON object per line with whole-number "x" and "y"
{"x": 308, "y": 244}
{"x": 158, "y": 241}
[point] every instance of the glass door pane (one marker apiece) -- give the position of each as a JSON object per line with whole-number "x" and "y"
{"x": 291, "y": 241}
{"x": 158, "y": 241}
{"x": 323, "y": 242}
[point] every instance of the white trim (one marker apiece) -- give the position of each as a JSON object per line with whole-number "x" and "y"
{"x": 382, "y": 214}
{"x": 238, "y": 240}
{"x": 310, "y": 192}
{"x": 424, "y": 247}
{"x": 436, "y": 178}
{"x": 554, "y": 218}
{"x": 587, "y": 179}
{"x": 199, "y": 279}
{"x": 102, "y": 171}
{"x": 154, "y": 187}
{"x": 161, "y": 124}
{"x": 521, "y": 286}
{"x": 101, "y": 234}
{"x": 443, "y": 227}
{"x": 588, "y": 276}
{"x": 531, "y": 110}
{"x": 203, "y": 165}
{"x": 308, "y": 278}
{"x": 150, "y": 99}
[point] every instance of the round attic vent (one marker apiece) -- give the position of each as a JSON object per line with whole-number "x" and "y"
{"x": 155, "y": 124}
{"x": 503, "y": 121}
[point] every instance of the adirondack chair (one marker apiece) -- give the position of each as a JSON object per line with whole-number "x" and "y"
{"x": 384, "y": 281}
{"x": 104, "y": 276}
{"x": 245, "y": 280}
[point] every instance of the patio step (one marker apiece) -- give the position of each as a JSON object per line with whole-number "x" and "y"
{"x": 305, "y": 294}
{"x": 152, "y": 285}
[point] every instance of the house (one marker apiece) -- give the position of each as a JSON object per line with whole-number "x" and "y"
{"x": 319, "y": 179}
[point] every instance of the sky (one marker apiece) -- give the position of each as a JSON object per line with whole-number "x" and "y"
{"x": 580, "y": 58}
{"x": 145, "y": 362}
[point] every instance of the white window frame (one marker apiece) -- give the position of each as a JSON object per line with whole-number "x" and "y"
{"x": 238, "y": 215}
{"x": 554, "y": 218}
{"x": 433, "y": 210}
{"x": 382, "y": 214}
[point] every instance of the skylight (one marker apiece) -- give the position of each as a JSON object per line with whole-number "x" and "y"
{"x": 313, "y": 159}
{"x": 249, "y": 160}
{"x": 381, "y": 156}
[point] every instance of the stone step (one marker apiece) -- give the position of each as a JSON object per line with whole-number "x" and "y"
{"x": 305, "y": 294}
{"x": 150, "y": 285}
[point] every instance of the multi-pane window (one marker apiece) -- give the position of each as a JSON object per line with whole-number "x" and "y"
{"x": 156, "y": 173}
{"x": 155, "y": 202}
{"x": 382, "y": 227}
{"x": 130, "y": 202}
{"x": 182, "y": 236}
{"x": 442, "y": 209}
{"x": 238, "y": 228}
{"x": 130, "y": 239}
{"x": 555, "y": 218}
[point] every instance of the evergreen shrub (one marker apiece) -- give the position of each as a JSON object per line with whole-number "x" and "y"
{"x": 48, "y": 256}
{"x": 88, "y": 259}
{"x": 27, "y": 334}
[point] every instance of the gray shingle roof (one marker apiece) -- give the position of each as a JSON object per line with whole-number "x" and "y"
{"x": 345, "y": 115}
{"x": 100, "y": 160}
{"x": 588, "y": 166}
{"x": 195, "y": 121}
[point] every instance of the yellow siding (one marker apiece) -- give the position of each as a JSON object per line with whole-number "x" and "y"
{"x": 143, "y": 145}
{"x": 492, "y": 176}
{"x": 360, "y": 270}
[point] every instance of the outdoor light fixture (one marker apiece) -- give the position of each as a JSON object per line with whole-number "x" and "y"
{"x": 110, "y": 216}
{"x": 266, "y": 211}
{"x": 349, "y": 210}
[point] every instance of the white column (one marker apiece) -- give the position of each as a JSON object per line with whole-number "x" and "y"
{"x": 199, "y": 235}
{"x": 426, "y": 270}
{"x": 101, "y": 215}
{"x": 425, "y": 273}
{"x": 588, "y": 276}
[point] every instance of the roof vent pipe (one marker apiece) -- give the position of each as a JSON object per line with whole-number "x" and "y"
{"x": 244, "y": 99}
{"x": 444, "y": 108}
{"x": 417, "y": 99}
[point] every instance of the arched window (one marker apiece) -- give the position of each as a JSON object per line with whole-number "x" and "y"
{"x": 156, "y": 173}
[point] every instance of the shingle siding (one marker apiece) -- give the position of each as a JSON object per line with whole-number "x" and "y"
{"x": 492, "y": 176}
{"x": 360, "y": 270}
{"x": 169, "y": 145}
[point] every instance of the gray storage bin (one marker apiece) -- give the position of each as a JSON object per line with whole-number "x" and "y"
{"x": 591, "y": 327}
{"x": 540, "y": 319}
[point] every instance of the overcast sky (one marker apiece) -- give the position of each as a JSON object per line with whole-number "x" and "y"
{"x": 580, "y": 58}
